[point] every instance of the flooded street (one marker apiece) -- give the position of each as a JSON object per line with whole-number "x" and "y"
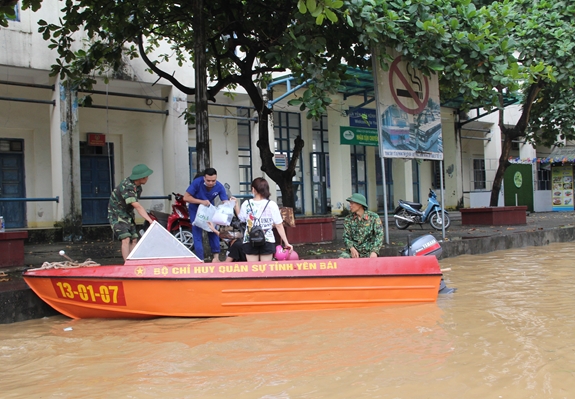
{"x": 506, "y": 333}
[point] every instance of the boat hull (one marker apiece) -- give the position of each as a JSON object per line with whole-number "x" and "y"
{"x": 177, "y": 288}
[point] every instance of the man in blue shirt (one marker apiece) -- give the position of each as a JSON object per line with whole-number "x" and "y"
{"x": 204, "y": 190}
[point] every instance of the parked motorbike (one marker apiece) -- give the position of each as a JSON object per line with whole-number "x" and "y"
{"x": 177, "y": 223}
{"x": 408, "y": 213}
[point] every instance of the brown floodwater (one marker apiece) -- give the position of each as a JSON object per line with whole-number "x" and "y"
{"x": 508, "y": 332}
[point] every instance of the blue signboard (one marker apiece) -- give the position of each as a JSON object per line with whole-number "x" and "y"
{"x": 363, "y": 117}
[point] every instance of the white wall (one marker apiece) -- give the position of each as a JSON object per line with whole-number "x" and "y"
{"x": 480, "y": 199}
{"x": 542, "y": 201}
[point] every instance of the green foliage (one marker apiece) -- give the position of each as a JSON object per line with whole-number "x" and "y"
{"x": 480, "y": 49}
{"x": 7, "y": 11}
{"x": 552, "y": 116}
{"x": 320, "y": 9}
{"x": 189, "y": 115}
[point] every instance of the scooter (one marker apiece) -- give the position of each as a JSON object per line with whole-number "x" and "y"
{"x": 408, "y": 213}
{"x": 426, "y": 245}
{"x": 177, "y": 223}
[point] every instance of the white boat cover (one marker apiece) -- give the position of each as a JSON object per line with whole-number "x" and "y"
{"x": 158, "y": 243}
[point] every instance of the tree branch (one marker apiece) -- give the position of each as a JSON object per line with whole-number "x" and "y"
{"x": 159, "y": 72}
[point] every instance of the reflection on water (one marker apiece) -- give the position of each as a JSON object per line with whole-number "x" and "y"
{"x": 506, "y": 333}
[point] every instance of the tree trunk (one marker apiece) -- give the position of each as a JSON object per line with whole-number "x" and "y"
{"x": 511, "y": 134}
{"x": 503, "y": 163}
{"x": 201, "y": 95}
{"x": 283, "y": 178}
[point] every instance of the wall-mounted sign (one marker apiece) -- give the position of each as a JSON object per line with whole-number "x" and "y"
{"x": 96, "y": 139}
{"x": 363, "y": 117}
{"x": 358, "y": 136}
{"x": 518, "y": 179}
{"x": 280, "y": 161}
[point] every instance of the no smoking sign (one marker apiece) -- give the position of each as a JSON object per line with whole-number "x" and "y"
{"x": 409, "y": 88}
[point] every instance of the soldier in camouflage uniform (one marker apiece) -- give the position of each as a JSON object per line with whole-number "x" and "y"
{"x": 362, "y": 230}
{"x": 123, "y": 202}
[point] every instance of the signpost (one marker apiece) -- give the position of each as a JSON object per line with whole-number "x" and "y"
{"x": 408, "y": 103}
{"x": 408, "y": 115}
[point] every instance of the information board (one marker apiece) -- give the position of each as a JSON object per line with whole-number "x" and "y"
{"x": 562, "y": 186}
{"x": 410, "y": 112}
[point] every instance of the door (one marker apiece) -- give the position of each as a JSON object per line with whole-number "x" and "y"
{"x": 12, "y": 186}
{"x": 96, "y": 179}
{"x": 518, "y": 186}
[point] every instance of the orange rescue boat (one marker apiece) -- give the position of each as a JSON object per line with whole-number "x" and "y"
{"x": 151, "y": 284}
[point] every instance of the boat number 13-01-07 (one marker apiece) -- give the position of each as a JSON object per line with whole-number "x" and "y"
{"x": 104, "y": 293}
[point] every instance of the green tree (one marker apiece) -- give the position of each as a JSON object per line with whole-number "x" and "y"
{"x": 545, "y": 32}
{"x": 481, "y": 50}
{"x": 483, "y": 55}
{"x": 246, "y": 42}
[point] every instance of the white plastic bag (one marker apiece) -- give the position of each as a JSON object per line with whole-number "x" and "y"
{"x": 224, "y": 213}
{"x": 203, "y": 216}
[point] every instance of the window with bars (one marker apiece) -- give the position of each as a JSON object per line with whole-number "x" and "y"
{"x": 543, "y": 178}
{"x": 358, "y": 169}
{"x": 388, "y": 183}
{"x": 436, "y": 177}
{"x": 319, "y": 166}
{"x": 245, "y": 151}
{"x": 287, "y": 126}
{"x": 479, "y": 182}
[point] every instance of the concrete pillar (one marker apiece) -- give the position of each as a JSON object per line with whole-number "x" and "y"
{"x": 65, "y": 155}
{"x": 175, "y": 144}
{"x": 371, "y": 177}
{"x": 492, "y": 153}
{"x": 402, "y": 179}
{"x": 257, "y": 167}
{"x": 339, "y": 161}
{"x": 451, "y": 160}
{"x": 527, "y": 151}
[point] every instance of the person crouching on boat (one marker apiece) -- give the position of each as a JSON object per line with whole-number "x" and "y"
{"x": 362, "y": 230}
{"x": 235, "y": 252}
{"x": 261, "y": 211}
{"x": 123, "y": 202}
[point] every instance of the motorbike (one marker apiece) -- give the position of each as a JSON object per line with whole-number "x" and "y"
{"x": 426, "y": 245}
{"x": 177, "y": 223}
{"x": 408, "y": 213}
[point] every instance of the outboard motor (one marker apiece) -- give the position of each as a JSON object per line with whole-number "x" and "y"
{"x": 425, "y": 246}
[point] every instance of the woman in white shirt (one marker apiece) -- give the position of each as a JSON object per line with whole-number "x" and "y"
{"x": 263, "y": 212}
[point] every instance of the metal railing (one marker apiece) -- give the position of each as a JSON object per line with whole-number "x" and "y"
{"x": 160, "y": 197}
{"x": 168, "y": 197}
{"x": 55, "y": 199}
